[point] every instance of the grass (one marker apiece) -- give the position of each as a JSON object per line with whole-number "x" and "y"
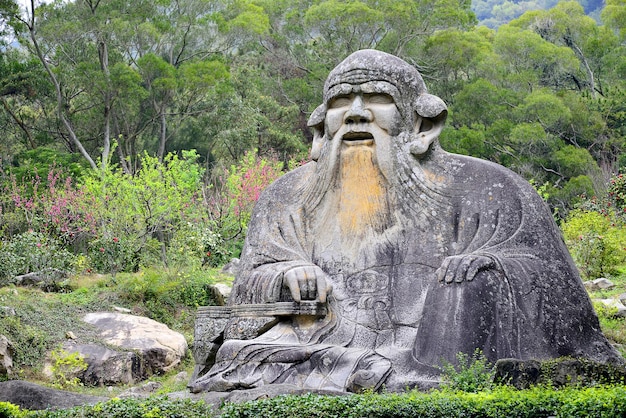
{"x": 42, "y": 320}
{"x": 170, "y": 296}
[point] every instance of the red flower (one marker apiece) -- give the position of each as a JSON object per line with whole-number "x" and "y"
{"x": 101, "y": 249}
{"x": 116, "y": 239}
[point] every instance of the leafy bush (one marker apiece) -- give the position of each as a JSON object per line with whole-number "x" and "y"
{"x": 66, "y": 367}
{"x": 605, "y": 401}
{"x": 31, "y": 252}
{"x": 233, "y": 193}
{"x": 596, "y": 241}
{"x": 162, "y": 292}
{"x": 112, "y": 254}
{"x": 154, "y": 407}
{"x": 617, "y": 193}
{"x": 135, "y": 212}
{"x": 11, "y": 411}
{"x": 471, "y": 374}
{"x": 29, "y": 343}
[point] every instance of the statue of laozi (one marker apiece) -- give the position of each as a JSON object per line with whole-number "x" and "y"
{"x": 388, "y": 254}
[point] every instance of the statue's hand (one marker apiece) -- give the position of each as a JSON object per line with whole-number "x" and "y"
{"x": 307, "y": 283}
{"x": 465, "y": 267}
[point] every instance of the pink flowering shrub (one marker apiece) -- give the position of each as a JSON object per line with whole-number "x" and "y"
{"x": 231, "y": 197}
{"x": 54, "y": 206}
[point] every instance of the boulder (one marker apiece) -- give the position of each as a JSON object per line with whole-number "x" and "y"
{"x": 614, "y": 303}
{"x": 220, "y": 292}
{"x": 6, "y": 356}
{"x": 141, "y": 392}
{"x": 6, "y": 311}
{"x": 599, "y": 284}
{"x": 48, "y": 280}
{"x": 106, "y": 366}
{"x": 158, "y": 348}
{"x": 28, "y": 395}
{"x": 558, "y": 372}
{"x": 231, "y": 267}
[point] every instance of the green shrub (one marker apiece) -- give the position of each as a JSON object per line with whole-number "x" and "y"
{"x": 472, "y": 373}
{"x": 29, "y": 343}
{"x": 154, "y": 407}
{"x": 9, "y": 410}
{"x": 31, "y": 252}
{"x": 603, "y": 401}
{"x": 595, "y": 241}
{"x": 66, "y": 367}
{"x": 502, "y": 401}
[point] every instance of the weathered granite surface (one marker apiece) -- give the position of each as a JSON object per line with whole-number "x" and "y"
{"x": 35, "y": 397}
{"x": 138, "y": 348}
{"x": 417, "y": 254}
{"x": 6, "y": 356}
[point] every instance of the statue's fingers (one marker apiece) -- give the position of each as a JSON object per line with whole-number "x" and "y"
{"x": 472, "y": 271}
{"x": 441, "y": 272}
{"x": 481, "y": 263}
{"x": 322, "y": 288}
{"x": 463, "y": 269}
{"x": 294, "y": 287}
{"x": 451, "y": 272}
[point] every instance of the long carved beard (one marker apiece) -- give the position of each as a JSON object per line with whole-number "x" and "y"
{"x": 363, "y": 194}
{"x": 348, "y": 201}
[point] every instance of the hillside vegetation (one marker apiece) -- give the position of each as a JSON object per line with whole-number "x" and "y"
{"x": 137, "y": 135}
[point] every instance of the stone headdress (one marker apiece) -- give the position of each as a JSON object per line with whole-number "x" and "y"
{"x": 381, "y": 70}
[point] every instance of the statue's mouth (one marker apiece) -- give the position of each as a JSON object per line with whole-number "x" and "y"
{"x": 358, "y": 138}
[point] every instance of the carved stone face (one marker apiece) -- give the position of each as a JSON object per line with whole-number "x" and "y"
{"x": 359, "y": 118}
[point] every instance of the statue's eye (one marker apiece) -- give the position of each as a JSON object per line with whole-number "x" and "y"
{"x": 379, "y": 98}
{"x": 340, "y": 101}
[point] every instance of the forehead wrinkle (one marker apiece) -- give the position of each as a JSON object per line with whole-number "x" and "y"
{"x": 369, "y": 87}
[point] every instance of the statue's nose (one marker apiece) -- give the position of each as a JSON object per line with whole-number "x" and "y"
{"x": 357, "y": 112}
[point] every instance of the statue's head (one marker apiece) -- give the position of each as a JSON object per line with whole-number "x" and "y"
{"x": 373, "y": 93}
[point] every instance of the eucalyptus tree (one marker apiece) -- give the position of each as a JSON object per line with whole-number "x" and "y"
{"x": 122, "y": 69}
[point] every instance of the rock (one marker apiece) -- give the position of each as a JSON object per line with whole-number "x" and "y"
{"x": 70, "y": 335}
{"x": 159, "y": 348}
{"x": 599, "y": 284}
{"x": 559, "y": 372}
{"x": 231, "y": 267}
{"x": 614, "y": 303}
{"x": 28, "y": 395}
{"x": 622, "y": 298}
{"x": 181, "y": 377}
{"x": 106, "y": 366}
{"x": 121, "y": 310}
{"x": 518, "y": 373}
{"x": 6, "y": 311}
{"x": 6, "y": 356}
{"x": 220, "y": 292}
{"x": 49, "y": 280}
{"x": 143, "y": 391}
{"x": 425, "y": 253}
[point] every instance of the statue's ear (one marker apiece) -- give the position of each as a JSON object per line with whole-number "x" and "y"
{"x": 316, "y": 123}
{"x": 431, "y": 113}
{"x": 318, "y": 141}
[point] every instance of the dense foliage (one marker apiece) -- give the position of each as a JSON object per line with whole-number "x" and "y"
{"x": 601, "y": 401}
{"x": 104, "y": 103}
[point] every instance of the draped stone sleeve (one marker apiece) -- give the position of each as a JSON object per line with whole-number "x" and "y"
{"x": 275, "y": 241}
{"x": 531, "y": 303}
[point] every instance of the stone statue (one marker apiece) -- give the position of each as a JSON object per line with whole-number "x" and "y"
{"x": 386, "y": 254}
